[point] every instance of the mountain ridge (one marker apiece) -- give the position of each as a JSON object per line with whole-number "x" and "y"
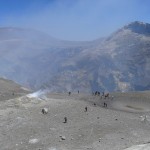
{"x": 119, "y": 62}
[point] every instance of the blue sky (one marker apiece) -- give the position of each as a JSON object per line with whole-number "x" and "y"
{"x": 73, "y": 19}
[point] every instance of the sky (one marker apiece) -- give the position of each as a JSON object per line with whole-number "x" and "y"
{"x": 74, "y": 20}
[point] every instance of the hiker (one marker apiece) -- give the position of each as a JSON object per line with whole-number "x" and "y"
{"x": 85, "y": 109}
{"x": 96, "y": 93}
{"x": 106, "y": 95}
{"x": 65, "y": 120}
{"x": 44, "y": 110}
{"x": 78, "y": 91}
{"x": 105, "y": 104}
{"x": 69, "y": 93}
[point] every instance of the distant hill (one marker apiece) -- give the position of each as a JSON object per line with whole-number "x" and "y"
{"x": 10, "y": 89}
{"x": 119, "y": 62}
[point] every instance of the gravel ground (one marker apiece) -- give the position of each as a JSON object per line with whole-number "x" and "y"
{"x": 117, "y": 127}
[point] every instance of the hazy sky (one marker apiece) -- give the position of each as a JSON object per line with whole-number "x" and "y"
{"x": 73, "y": 19}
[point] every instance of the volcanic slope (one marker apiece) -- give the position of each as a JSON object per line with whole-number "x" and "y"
{"x": 25, "y": 127}
{"x": 10, "y": 90}
{"x": 119, "y": 62}
{"x": 31, "y": 57}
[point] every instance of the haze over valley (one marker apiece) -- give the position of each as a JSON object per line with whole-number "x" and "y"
{"x": 119, "y": 62}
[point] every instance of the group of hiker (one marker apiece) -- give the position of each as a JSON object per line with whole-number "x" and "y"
{"x": 96, "y": 93}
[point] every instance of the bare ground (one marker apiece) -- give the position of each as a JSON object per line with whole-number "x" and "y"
{"x": 117, "y": 127}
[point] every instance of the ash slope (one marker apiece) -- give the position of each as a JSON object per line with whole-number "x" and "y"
{"x": 119, "y": 62}
{"x": 23, "y": 126}
{"x": 11, "y": 90}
